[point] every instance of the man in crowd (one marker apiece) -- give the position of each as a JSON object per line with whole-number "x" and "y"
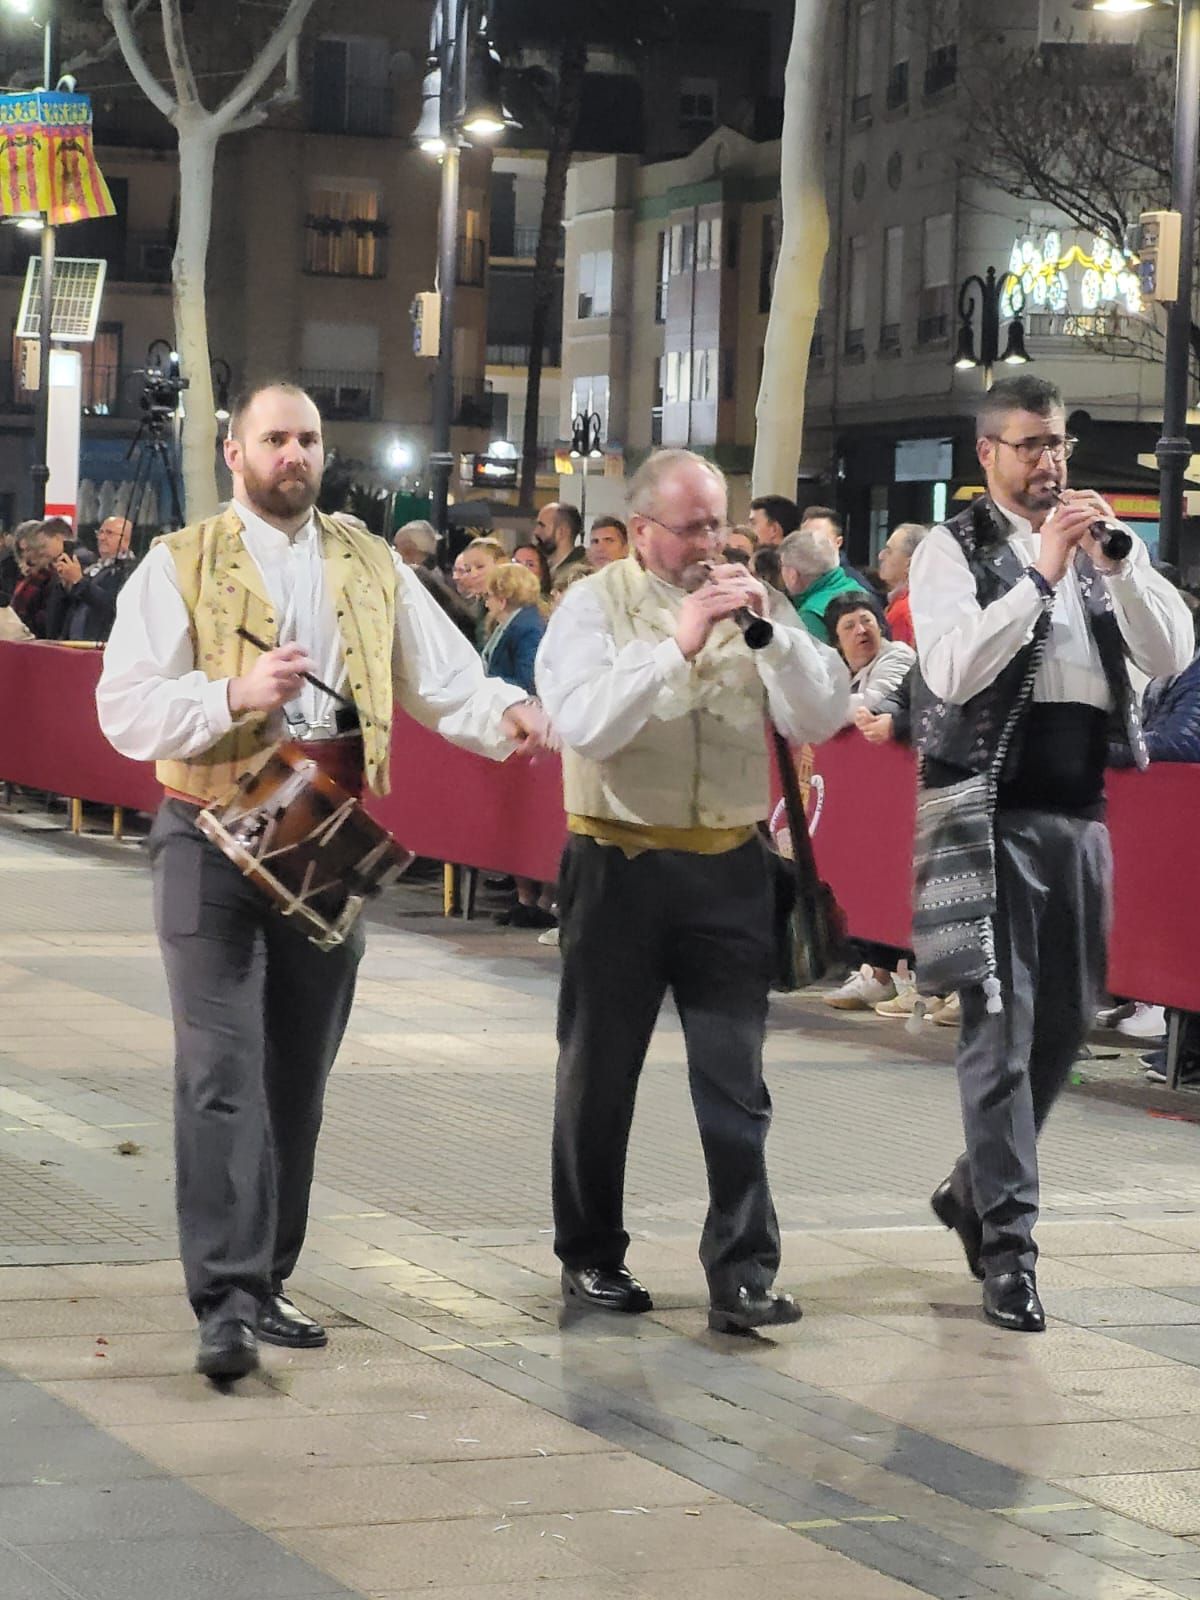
{"x": 811, "y": 574}
{"x": 10, "y": 567}
{"x": 823, "y": 519}
{"x": 416, "y": 543}
{"x": 1024, "y": 558}
{"x": 894, "y": 561}
{"x": 557, "y": 531}
{"x": 607, "y": 541}
{"x": 259, "y": 1010}
{"x": 39, "y": 600}
{"x": 659, "y": 705}
{"x": 89, "y": 605}
{"x": 772, "y": 518}
{"x": 742, "y": 539}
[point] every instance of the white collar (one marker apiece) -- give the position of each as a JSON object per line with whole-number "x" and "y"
{"x": 254, "y": 524}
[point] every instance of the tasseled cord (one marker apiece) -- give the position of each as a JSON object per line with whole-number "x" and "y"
{"x": 993, "y": 994}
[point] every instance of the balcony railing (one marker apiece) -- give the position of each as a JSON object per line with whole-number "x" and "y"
{"x": 933, "y": 329}
{"x": 517, "y": 355}
{"x": 344, "y": 396}
{"x": 108, "y": 391}
{"x": 472, "y": 262}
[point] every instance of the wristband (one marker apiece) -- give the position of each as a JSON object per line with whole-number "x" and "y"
{"x": 1041, "y": 583}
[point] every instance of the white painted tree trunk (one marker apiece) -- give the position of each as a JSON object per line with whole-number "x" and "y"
{"x": 197, "y": 158}
{"x": 796, "y": 298}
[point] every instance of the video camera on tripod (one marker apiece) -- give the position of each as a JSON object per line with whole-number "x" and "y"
{"x": 163, "y": 384}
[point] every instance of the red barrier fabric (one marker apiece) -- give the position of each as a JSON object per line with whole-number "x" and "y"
{"x": 49, "y": 736}
{"x": 507, "y": 817}
{"x": 861, "y": 799}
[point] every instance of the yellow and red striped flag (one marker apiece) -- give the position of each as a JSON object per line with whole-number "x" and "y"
{"x": 47, "y": 162}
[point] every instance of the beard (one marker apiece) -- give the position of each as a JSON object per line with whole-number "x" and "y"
{"x": 289, "y": 493}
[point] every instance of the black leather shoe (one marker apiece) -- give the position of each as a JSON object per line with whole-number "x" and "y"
{"x": 606, "y": 1288}
{"x": 228, "y": 1350}
{"x": 280, "y": 1322}
{"x": 1010, "y": 1300}
{"x": 751, "y": 1310}
{"x": 960, "y": 1219}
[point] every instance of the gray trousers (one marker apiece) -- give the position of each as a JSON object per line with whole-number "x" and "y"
{"x": 1053, "y": 876}
{"x": 259, "y": 1014}
{"x": 699, "y": 926}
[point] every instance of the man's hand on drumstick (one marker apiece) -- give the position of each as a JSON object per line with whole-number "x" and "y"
{"x": 528, "y": 724}
{"x": 274, "y": 679}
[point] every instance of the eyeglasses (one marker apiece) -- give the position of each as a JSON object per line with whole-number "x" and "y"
{"x": 693, "y": 530}
{"x": 1031, "y": 451}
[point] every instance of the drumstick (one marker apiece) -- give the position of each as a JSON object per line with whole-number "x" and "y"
{"x": 261, "y": 644}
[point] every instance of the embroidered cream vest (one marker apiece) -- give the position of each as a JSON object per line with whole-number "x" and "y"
{"x": 701, "y": 759}
{"x": 223, "y": 590}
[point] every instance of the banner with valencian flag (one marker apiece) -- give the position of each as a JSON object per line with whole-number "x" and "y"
{"x": 46, "y": 158}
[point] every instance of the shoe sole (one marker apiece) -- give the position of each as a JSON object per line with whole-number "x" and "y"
{"x": 731, "y": 1322}
{"x": 228, "y": 1369}
{"x": 308, "y": 1342}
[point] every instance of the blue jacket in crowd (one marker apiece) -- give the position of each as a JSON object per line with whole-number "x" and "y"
{"x": 1171, "y": 715}
{"x": 516, "y": 649}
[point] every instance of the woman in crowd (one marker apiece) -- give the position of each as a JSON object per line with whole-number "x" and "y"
{"x": 534, "y": 557}
{"x": 515, "y": 627}
{"x": 515, "y": 623}
{"x": 471, "y": 570}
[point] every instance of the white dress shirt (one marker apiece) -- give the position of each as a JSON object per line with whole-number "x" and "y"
{"x": 599, "y": 698}
{"x": 963, "y": 646}
{"x": 155, "y": 705}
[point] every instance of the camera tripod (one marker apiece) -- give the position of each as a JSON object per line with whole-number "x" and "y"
{"x": 151, "y": 449}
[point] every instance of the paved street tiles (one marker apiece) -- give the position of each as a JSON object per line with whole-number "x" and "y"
{"x": 459, "y": 1436}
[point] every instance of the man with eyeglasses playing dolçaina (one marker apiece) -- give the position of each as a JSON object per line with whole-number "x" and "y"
{"x": 659, "y": 703}
{"x": 1025, "y": 630}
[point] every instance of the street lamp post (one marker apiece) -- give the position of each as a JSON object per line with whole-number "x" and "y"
{"x": 1174, "y": 449}
{"x": 39, "y": 473}
{"x": 990, "y": 292}
{"x": 463, "y": 107}
{"x": 585, "y": 447}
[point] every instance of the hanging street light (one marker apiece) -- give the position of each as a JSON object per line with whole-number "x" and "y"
{"x": 989, "y": 290}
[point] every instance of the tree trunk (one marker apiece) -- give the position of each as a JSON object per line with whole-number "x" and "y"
{"x": 197, "y": 157}
{"x": 572, "y": 64}
{"x": 797, "y": 292}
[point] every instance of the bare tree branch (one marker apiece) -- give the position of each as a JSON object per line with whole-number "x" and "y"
{"x": 178, "y": 57}
{"x": 238, "y": 102}
{"x": 103, "y": 52}
{"x": 117, "y": 12}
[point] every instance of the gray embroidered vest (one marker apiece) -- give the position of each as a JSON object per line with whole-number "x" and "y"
{"x": 966, "y": 736}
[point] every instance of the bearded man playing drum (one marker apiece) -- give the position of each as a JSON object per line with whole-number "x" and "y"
{"x": 259, "y": 1010}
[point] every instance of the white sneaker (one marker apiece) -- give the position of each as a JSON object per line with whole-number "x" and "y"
{"x": 904, "y": 1003}
{"x": 549, "y": 937}
{"x": 861, "y": 991}
{"x": 1109, "y": 1016}
{"x": 1147, "y": 1022}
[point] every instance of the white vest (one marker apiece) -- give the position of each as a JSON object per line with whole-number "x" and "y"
{"x": 701, "y": 759}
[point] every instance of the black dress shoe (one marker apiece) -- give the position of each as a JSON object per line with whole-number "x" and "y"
{"x": 962, "y": 1220}
{"x": 280, "y": 1322}
{"x": 606, "y": 1288}
{"x": 753, "y": 1309}
{"x": 1010, "y": 1300}
{"x": 227, "y": 1350}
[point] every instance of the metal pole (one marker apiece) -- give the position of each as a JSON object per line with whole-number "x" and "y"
{"x": 441, "y": 461}
{"x": 40, "y": 471}
{"x": 1174, "y": 448}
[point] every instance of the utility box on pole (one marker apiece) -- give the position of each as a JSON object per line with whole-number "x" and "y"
{"x": 66, "y": 409}
{"x": 426, "y": 321}
{"x": 1156, "y": 240}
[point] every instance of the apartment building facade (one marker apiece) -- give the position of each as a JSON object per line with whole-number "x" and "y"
{"x": 669, "y": 349}
{"x": 324, "y": 229}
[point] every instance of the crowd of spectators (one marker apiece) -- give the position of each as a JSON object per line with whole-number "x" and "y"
{"x": 53, "y": 587}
